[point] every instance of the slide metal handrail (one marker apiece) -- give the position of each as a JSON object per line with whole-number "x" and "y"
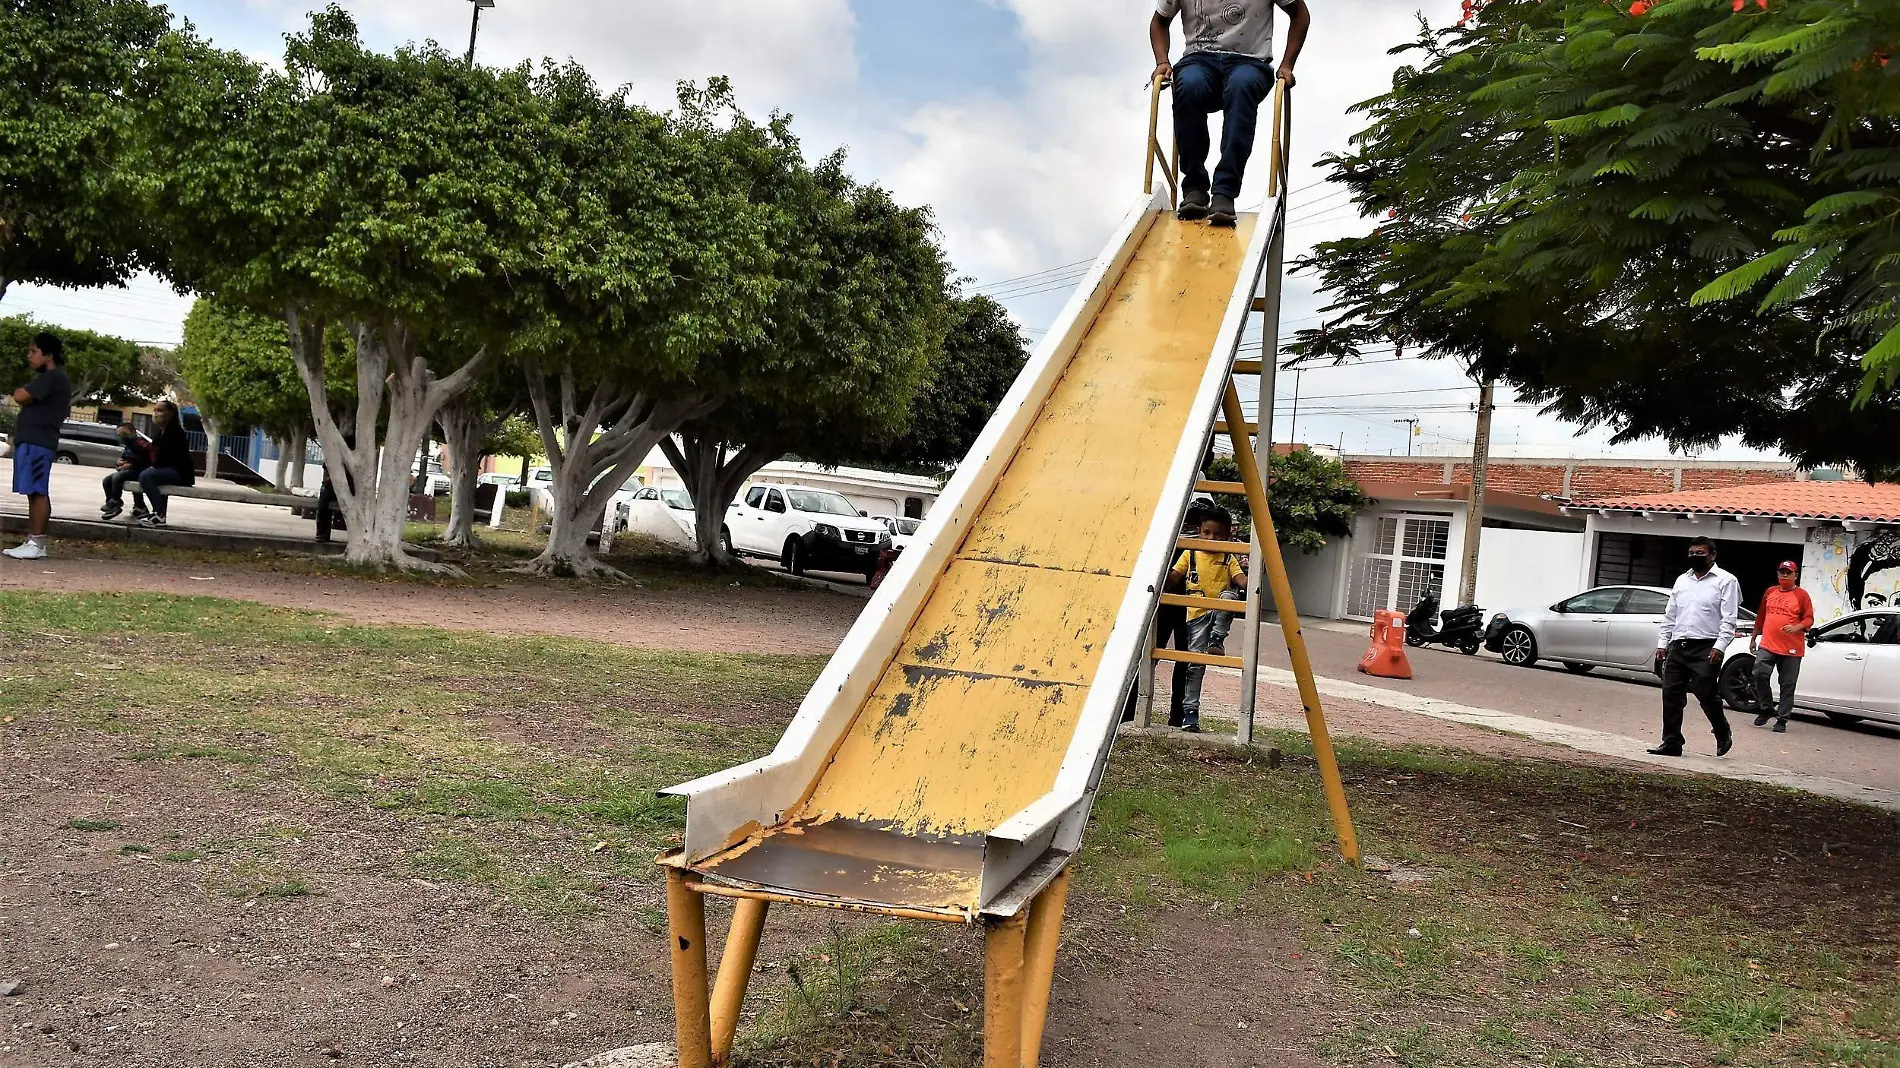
{"x": 1152, "y": 153}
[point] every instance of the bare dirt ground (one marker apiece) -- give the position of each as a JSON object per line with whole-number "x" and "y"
{"x": 740, "y": 619}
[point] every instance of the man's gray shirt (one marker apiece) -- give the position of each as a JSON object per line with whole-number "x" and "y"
{"x": 39, "y": 422}
{"x": 1239, "y": 27}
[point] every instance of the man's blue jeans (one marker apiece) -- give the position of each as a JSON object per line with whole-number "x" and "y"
{"x": 1206, "y": 82}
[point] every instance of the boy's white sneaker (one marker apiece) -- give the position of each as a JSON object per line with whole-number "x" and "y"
{"x": 30, "y": 549}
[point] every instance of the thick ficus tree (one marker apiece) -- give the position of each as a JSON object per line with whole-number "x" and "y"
{"x": 79, "y": 80}
{"x": 664, "y": 260}
{"x": 472, "y": 425}
{"x": 1554, "y": 184}
{"x": 104, "y": 369}
{"x": 852, "y": 338}
{"x": 393, "y": 197}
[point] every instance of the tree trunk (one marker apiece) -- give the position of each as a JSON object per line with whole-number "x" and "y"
{"x": 299, "y": 448}
{"x": 465, "y": 424}
{"x": 371, "y": 478}
{"x": 212, "y": 441}
{"x": 713, "y": 479}
{"x": 590, "y": 467}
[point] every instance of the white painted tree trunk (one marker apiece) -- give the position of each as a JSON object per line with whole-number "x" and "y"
{"x": 713, "y": 478}
{"x": 213, "y": 439}
{"x": 465, "y": 424}
{"x": 299, "y": 448}
{"x": 371, "y": 477}
{"x": 282, "y": 479}
{"x": 598, "y": 447}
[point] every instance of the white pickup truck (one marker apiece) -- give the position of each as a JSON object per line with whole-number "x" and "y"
{"x": 805, "y": 529}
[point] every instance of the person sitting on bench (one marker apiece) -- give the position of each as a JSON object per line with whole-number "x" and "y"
{"x": 134, "y": 457}
{"x": 171, "y": 462}
{"x": 1227, "y": 67}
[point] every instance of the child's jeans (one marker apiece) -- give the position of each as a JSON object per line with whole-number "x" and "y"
{"x": 1205, "y": 630}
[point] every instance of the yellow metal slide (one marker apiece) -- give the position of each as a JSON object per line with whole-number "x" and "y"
{"x": 971, "y": 683}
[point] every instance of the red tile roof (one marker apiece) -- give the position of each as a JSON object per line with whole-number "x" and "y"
{"x": 1853, "y": 501}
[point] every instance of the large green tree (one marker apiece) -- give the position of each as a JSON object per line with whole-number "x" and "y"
{"x": 1311, "y": 496}
{"x": 1554, "y": 184}
{"x": 79, "y": 77}
{"x": 104, "y": 369}
{"x": 852, "y": 341}
{"x": 397, "y": 197}
{"x": 664, "y": 260}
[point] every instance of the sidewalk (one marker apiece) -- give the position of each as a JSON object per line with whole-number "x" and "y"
{"x": 191, "y": 523}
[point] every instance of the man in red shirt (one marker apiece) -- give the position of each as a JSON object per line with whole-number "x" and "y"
{"x": 1781, "y": 637}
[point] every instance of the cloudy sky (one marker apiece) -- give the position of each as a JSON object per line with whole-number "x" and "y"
{"x": 1018, "y": 121}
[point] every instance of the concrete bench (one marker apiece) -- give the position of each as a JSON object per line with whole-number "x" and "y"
{"x": 240, "y": 495}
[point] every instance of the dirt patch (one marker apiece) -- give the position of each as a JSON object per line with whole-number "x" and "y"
{"x": 713, "y": 618}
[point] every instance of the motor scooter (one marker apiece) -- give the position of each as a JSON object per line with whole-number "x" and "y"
{"x": 1460, "y": 628}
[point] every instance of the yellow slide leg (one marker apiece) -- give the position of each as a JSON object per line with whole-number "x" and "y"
{"x": 686, "y": 934}
{"x": 1039, "y": 963}
{"x": 1003, "y": 945}
{"x": 1290, "y": 627}
{"x": 735, "y": 970}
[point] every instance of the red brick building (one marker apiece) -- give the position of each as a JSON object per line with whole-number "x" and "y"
{"x": 1572, "y": 478}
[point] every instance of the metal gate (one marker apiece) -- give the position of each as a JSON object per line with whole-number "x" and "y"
{"x": 1400, "y": 559}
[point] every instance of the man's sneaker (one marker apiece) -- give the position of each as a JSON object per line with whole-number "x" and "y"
{"x": 1781, "y": 726}
{"x": 30, "y": 549}
{"x": 1221, "y": 213}
{"x": 1724, "y": 744}
{"x": 1193, "y": 205}
{"x": 1664, "y": 750}
{"x": 139, "y": 511}
{"x": 111, "y": 510}
{"x": 152, "y": 521}
{"x": 1762, "y": 720}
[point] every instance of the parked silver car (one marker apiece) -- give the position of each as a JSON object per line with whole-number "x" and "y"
{"x": 1610, "y": 626}
{"x": 1850, "y": 672}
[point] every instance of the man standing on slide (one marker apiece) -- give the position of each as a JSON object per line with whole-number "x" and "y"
{"x": 1227, "y": 67}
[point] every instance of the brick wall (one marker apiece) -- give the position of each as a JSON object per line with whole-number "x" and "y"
{"x": 1533, "y": 477}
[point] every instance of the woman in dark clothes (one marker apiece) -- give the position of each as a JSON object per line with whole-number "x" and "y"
{"x": 171, "y": 463}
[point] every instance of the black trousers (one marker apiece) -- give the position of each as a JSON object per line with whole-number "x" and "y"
{"x": 1170, "y": 627}
{"x": 1687, "y": 670}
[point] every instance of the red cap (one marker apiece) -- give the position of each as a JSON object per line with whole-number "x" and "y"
{"x": 1786, "y": 565}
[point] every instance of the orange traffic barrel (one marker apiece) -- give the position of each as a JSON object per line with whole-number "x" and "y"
{"x": 1386, "y": 656}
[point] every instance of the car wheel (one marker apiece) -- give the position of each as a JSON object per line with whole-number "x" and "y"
{"x": 1738, "y": 685}
{"x": 1578, "y": 669}
{"x": 65, "y": 458}
{"x": 793, "y": 559}
{"x": 1843, "y": 717}
{"x": 1519, "y": 647}
{"x": 725, "y": 538}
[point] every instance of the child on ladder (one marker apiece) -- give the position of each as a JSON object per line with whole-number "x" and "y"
{"x": 1206, "y": 574}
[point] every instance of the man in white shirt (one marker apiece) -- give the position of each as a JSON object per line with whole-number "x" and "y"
{"x": 1226, "y": 66}
{"x": 1696, "y": 627}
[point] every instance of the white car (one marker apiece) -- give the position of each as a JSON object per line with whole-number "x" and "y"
{"x": 805, "y": 528}
{"x": 665, "y": 515}
{"x": 901, "y": 529}
{"x": 541, "y": 488}
{"x": 1851, "y": 670}
{"x": 1610, "y": 626}
{"x": 496, "y": 478}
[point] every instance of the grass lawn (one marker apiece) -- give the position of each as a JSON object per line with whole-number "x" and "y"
{"x": 287, "y": 771}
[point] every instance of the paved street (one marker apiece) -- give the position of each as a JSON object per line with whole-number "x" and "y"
{"x": 1616, "y": 702}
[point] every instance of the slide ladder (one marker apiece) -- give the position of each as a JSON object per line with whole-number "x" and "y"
{"x": 943, "y": 765}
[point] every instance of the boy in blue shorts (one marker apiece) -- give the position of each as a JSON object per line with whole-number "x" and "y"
{"x": 44, "y": 402}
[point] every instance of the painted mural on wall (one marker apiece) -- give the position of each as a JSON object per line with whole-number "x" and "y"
{"x": 1850, "y": 571}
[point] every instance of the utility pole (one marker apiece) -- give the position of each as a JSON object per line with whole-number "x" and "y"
{"x": 1293, "y": 432}
{"x": 1474, "y": 515}
{"x": 474, "y": 25}
{"x": 1411, "y": 431}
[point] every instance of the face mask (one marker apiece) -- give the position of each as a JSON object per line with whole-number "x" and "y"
{"x": 1701, "y": 564}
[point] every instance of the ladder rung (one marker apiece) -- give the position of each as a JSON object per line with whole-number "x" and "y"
{"x": 1212, "y": 604}
{"x": 1259, "y": 304}
{"x": 1206, "y": 486}
{"x": 1247, "y": 367}
{"x": 1220, "y": 427}
{"x": 1206, "y": 546}
{"x": 1185, "y": 657}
